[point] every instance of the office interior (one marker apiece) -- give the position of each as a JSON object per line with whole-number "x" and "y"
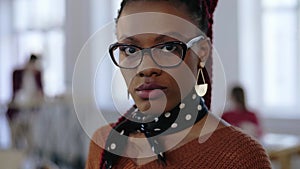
{"x": 256, "y": 45}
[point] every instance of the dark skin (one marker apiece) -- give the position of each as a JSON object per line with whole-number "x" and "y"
{"x": 172, "y": 92}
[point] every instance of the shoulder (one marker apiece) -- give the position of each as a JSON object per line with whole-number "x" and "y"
{"x": 226, "y": 147}
{"x": 100, "y": 135}
{"x": 252, "y": 113}
{"x": 228, "y": 114}
{"x": 243, "y": 150}
{"x": 38, "y": 72}
{"x": 18, "y": 71}
{"x": 96, "y": 147}
{"x": 235, "y": 137}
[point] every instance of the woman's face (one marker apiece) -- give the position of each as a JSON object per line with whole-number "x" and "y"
{"x": 153, "y": 88}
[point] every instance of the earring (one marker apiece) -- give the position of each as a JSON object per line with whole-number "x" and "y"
{"x": 202, "y": 88}
{"x": 128, "y": 95}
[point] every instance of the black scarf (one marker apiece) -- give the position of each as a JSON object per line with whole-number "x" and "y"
{"x": 191, "y": 110}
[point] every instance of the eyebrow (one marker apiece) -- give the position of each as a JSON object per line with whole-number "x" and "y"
{"x": 129, "y": 38}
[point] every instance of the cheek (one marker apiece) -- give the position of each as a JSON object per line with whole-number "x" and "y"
{"x": 183, "y": 78}
{"x": 128, "y": 75}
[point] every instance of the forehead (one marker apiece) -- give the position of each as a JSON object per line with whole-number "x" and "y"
{"x": 155, "y": 17}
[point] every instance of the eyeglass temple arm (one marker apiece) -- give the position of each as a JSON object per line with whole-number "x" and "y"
{"x": 194, "y": 40}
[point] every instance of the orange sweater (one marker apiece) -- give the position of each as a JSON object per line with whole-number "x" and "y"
{"x": 226, "y": 148}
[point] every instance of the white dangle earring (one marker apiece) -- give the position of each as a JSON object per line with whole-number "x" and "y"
{"x": 201, "y": 89}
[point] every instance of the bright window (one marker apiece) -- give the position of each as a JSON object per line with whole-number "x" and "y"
{"x": 38, "y": 27}
{"x": 270, "y": 55}
{"x": 280, "y": 30}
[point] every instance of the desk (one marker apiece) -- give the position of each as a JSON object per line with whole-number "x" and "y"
{"x": 11, "y": 159}
{"x": 282, "y": 147}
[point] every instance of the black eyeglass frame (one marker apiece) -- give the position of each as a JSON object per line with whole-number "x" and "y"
{"x": 185, "y": 47}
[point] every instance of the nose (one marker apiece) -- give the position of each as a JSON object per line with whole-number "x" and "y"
{"x": 148, "y": 67}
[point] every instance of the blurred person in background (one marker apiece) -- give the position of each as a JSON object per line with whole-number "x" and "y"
{"x": 26, "y": 98}
{"x": 240, "y": 116}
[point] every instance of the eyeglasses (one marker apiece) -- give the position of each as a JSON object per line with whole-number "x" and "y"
{"x": 165, "y": 55}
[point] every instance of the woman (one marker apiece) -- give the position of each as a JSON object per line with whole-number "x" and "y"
{"x": 240, "y": 115}
{"x": 162, "y": 57}
{"x": 27, "y": 97}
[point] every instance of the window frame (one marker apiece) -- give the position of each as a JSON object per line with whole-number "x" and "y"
{"x": 44, "y": 31}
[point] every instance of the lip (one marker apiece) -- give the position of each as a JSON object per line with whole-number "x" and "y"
{"x": 150, "y": 86}
{"x": 150, "y": 90}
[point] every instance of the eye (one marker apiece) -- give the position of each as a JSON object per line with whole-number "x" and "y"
{"x": 169, "y": 48}
{"x": 129, "y": 50}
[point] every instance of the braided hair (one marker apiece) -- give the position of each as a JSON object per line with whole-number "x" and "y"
{"x": 202, "y": 12}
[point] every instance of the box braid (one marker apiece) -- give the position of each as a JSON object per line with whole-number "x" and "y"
{"x": 202, "y": 12}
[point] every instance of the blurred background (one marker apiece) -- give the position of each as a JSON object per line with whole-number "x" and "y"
{"x": 259, "y": 46}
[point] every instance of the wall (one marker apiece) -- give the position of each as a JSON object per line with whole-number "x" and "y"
{"x": 5, "y": 50}
{"x": 77, "y": 32}
{"x": 226, "y": 44}
{"x": 226, "y": 38}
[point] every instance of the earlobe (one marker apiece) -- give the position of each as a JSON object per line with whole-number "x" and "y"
{"x": 202, "y": 64}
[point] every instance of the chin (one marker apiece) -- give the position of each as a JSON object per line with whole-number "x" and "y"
{"x": 157, "y": 106}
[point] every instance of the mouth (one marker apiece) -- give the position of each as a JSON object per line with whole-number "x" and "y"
{"x": 150, "y": 91}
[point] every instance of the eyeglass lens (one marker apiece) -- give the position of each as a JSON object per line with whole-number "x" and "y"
{"x": 165, "y": 55}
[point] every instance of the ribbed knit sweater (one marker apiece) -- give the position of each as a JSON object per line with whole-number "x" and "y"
{"x": 226, "y": 148}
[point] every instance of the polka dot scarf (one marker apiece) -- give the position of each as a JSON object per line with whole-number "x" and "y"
{"x": 191, "y": 110}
